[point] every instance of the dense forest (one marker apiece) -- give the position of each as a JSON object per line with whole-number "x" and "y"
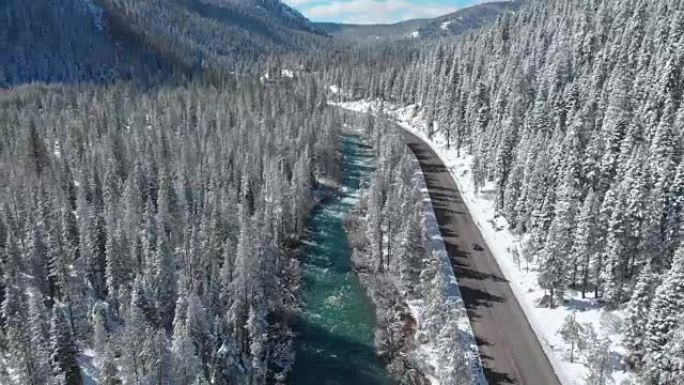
{"x": 70, "y": 41}
{"x": 154, "y": 195}
{"x": 574, "y": 111}
{"x": 396, "y": 259}
{"x": 155, "y": 228}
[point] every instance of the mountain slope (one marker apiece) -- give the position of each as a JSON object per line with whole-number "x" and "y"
{"x": 451, "y": 24}
{"x": 102, "y": 40}
{"x": 368, "y": 32}
{"x": 466, "y": 19}
{"x": 224, "y": 30}
{"x": 286, "y": 15}
{"x": 68, "y": 41}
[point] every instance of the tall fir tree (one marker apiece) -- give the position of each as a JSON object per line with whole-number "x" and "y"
{"x": 664, "y": 318}
{"x": 64, "y": 350}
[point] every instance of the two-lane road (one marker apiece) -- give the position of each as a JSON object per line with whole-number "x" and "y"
{"x": 510, "y": 351}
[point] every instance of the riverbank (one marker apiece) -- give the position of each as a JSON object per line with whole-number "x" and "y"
{"x": 401, "y": 258}
{"x": 395, "y": 335}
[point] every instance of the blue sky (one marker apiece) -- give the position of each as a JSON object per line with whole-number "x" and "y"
{"x": 375, "y": 11}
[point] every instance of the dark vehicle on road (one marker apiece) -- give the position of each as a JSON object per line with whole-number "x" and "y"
{"x": 477, "y": 247}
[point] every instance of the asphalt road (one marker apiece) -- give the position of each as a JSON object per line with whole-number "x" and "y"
{"x": 510, "y": 351}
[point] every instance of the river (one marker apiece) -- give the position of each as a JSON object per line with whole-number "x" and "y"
{"x": 335, "y": 345}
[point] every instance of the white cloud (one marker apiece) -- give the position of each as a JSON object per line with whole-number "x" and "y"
{"x": 373, "y": 11}
{"x": 298, "y": 3}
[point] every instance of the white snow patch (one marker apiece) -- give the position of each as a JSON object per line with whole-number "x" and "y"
{"x": 89, "y": 369}
{"x": 284, "y": 73}
{"x": 446, "y": 24}
{"x": 57, "y": 149}
{"x": 415, "y": 34}
{"x": 334, "y": 89}
{"x": 502, "y": 242}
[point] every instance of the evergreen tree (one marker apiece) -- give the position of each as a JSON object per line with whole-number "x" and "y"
{"x": 663, "y": 320}
{"x": 100, "y": 332}
{"x": 64, "y": 350}
{"x": 109, "y": 374}
{"x": 39, "y": 329}
{"x": 38, "y": 255}
{"x": 411, "y": 248}
{"x": 599, "y": 362}
{"x": 135, "y": 339}
{"x": 24, "y": 362}
{"x": 571, "y": 332}
{"x": 553, "y": 275}
{"x": 258, "y": 349}
{"x": 186, "y": 365}
{"x": 161, "y": 362}
{"x": 671, "y": 369}
{"x": 638, "y": 310}
{"x": 584, "y": 244}
{"x": 198, "y": 325}
{"x": 165, "y": 280}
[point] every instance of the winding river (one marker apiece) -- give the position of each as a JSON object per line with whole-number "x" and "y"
{"x": 335, "y": 346}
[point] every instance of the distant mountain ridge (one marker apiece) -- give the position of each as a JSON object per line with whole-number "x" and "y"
{"x": 451, "y": 24}
{"x": 288, "y": 15}
{"x": 104, "y": 40}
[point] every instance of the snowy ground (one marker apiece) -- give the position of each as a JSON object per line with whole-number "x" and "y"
{"x": 523, "y": 278}
{"x": 432, "y": 348}
{"x": 284, "y": 73}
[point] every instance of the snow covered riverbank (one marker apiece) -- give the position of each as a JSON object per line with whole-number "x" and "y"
{"x": 506, "y": 247}
{"x": 423, "y": 328}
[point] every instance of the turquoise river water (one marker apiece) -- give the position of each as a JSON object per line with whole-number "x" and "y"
{"x": 335, "y": 346}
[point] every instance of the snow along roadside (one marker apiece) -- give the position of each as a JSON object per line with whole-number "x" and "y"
{"x": 402, "y": 120}
{"x": 443, "y": 330}
{"x": 465, "y": 340}
{"x": 503, "y": 243}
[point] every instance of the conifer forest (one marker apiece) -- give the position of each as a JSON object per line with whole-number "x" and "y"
{"x": 236, "y": 192}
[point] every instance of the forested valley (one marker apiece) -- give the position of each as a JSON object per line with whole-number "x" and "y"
{"x": 160, "y": 160}
{"x": 156, "y": 229}
{"x": 573, "y": 109}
